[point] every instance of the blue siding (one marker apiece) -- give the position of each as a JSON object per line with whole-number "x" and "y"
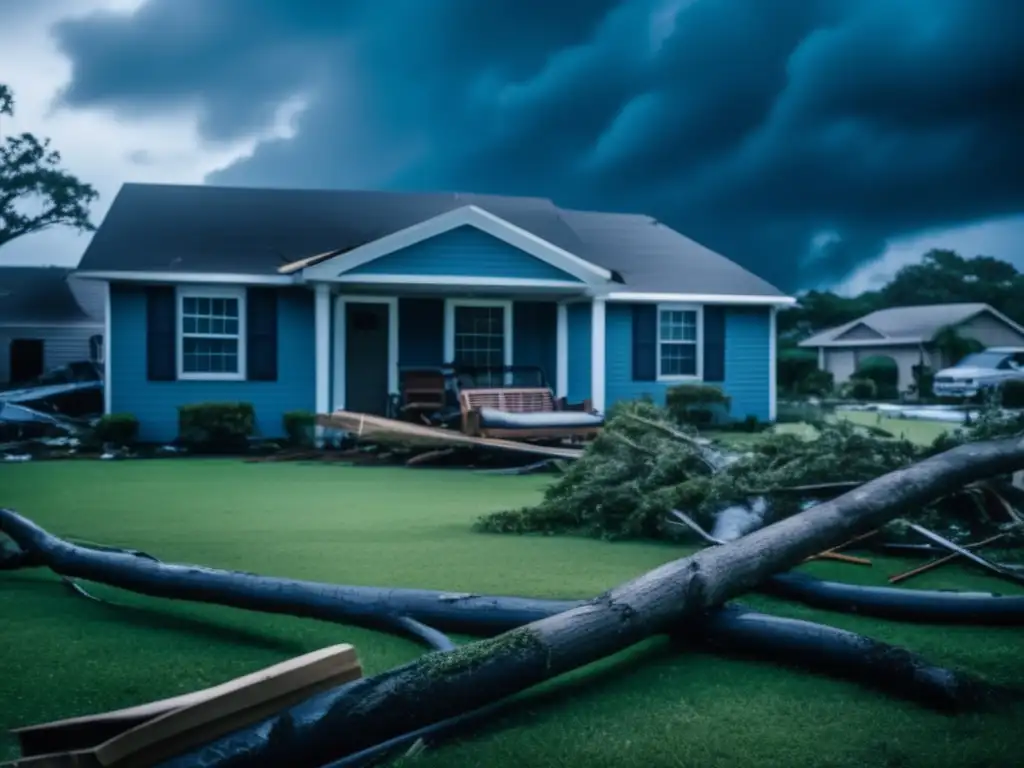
{"x": 463, "y": 252}
{"x": 155, "y": 402}
{"x": 534, "y": 336}
{"x": 746, "y": 360}
{"x": 578, "y": 317}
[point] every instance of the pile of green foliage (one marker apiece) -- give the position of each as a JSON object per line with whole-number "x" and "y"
{"x": 640, "y": 469}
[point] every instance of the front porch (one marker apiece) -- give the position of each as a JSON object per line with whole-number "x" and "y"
{"x": 364, "y": 339}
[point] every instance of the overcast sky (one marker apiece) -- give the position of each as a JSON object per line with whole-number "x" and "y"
{"x": 816, "y": 142}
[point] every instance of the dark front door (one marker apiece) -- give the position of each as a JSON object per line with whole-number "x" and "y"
{"x": 26, "y": 359}
{"x": 366, "y": 358}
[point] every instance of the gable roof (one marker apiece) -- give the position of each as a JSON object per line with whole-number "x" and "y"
{"x": 47, "y": 295}
{"x": 903, "y": 325}
{"x": 256, "y": 231}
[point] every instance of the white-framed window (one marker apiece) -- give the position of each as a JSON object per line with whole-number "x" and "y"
{"x": 478, "y": 332}
{"x": 211, "y": 332}
{"x": 680, "y": 342}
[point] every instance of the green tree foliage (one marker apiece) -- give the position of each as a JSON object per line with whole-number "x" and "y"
{"x": 35, "y": 192}
{"x": 941, "y": 277}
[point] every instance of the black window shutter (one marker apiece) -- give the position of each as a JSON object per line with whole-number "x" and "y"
{"x": 645, "y": 342}
{"x": 161, "y": 333}
{"x": 261, "y": 334}
{"x": 714, "y": 343}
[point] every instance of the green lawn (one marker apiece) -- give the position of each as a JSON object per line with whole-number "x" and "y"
{"x": 914, "y": 430}
{"x": 66, "y": 656}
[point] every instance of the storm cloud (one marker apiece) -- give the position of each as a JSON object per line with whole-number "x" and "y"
{"x": 756, "y": 127}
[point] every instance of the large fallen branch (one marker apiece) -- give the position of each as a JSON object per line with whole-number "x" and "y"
{"x": 674, "y": 597}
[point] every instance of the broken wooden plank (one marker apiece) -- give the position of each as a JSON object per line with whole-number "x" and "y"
{"x": 116, "y": 738}
{"x": 974, "y": 558}
{"x": 931, "y": 565}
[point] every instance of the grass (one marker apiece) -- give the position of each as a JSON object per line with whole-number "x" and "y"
{"x": 650, "y": 706}
{"x": 915, "y": 430}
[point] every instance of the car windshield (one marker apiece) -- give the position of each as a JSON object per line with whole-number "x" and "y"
{"x": 983, "y": 360}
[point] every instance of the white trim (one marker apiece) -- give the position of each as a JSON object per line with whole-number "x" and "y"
{"x": 459, "y": 280}
{"x": 449, "y": 324}
{"x": 108, "y": 395}
{"x": 773, "y": 345}
{"x": 212, "y": 278}
{"x": 562, "y": 350}
{"x": 701, "y": 298}
{"x": 469, "y": 215}
{"x": 77, "y": 326}
{"x": 218, "y": 292}
{"x": 340, "y": 340}
{"x": 698, "y": 309}
{"x": 597, "y": 353}
{"x": 322, "y": 349}
{"x": 821, "y": 358}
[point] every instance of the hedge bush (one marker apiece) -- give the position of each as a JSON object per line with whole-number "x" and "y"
{"x": 816, "y": 383}
{"x": 695, "y": 404}
{"x": 1012, "y": 393}
{"x": 216, "y": 427}
{"x": 861, "y": 389}
{"x": 299, "y": 426}
{"x": 120, "y": 429}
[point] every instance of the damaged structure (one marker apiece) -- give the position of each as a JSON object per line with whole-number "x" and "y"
{"x": 339, "y": 301}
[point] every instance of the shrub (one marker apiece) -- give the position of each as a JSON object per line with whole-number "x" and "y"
{"x": 816, "y": 383}
{"x": 695, "y": 404}
{"x": 117, "y": 428}
{"x": 924, "y": 381}
{"x": 861, "y": 389}
{"x": 1012, "y": 393}
{"x": 216, "y": 427}
{"x": 299, "y": 426}
{"x": 793, "y": 366}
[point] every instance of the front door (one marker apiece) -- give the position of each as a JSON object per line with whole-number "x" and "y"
{"x": 366, "y": 358}
{"x": 26, "y": 361}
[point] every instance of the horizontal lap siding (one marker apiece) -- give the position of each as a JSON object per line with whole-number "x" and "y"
{"x": 578, "y": 321}
{"x": 155, "y": 403}
{"x": 462, "y": 252}
{"x": 63, "y": 345}
{"x": 746, "y": 360}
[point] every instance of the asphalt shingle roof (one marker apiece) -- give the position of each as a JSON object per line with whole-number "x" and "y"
{"x": 172, "y": 228}
{"x": 32, "y": 295}
{"x": 905, "y": 323}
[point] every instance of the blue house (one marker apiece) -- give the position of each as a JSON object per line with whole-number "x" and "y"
{"x": 315, "y": 299}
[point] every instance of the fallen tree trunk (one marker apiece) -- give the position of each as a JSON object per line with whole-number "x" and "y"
{"x": 675, "y": 596}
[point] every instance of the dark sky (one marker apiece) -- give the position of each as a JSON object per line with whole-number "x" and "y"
{"x": 749, "y": 125}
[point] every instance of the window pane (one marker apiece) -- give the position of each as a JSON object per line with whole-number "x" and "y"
{"x": 677, "y": 325}
{"x": 206, "y": 355}
{"x": 216, "y": 316}
{"x": 188, "y": 325}
{"x": 479, "y": 336}
{"x": 678, "y": 359}
{"x": 231, "y": 308}
{"x": 231, "y": 326}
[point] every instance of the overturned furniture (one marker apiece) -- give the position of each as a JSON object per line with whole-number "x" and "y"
{"x": 148, "y": 734}
{"x": 522, "y": 412}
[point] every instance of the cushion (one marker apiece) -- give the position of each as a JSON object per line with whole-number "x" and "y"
{"x": 492, "y": 418}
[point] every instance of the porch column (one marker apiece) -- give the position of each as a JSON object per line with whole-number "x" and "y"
{"x": 562, "y": 351}
{"x": 773, "y": 355}
{"x": 322, "y": 336}
{"x": 597, "y": 349}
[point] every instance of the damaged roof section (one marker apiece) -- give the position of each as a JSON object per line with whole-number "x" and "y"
{"x": 50, "y": 295}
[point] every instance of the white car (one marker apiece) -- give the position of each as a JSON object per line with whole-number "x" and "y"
{"x": 980, "y": 371}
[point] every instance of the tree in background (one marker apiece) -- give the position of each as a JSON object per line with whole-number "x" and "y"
{"x": 35, "y": 192}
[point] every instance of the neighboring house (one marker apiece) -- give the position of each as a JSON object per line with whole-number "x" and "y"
{"x": 207, "y": 301}
{"x": 905, "y": 335}
{"x": 47, "y": 318}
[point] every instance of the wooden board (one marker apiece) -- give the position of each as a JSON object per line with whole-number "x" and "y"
{"x": 391, "y": 431}
{"x": 159, "y": 730}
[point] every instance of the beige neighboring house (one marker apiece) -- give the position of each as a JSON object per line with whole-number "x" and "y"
{"x": 905, "y": 333}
